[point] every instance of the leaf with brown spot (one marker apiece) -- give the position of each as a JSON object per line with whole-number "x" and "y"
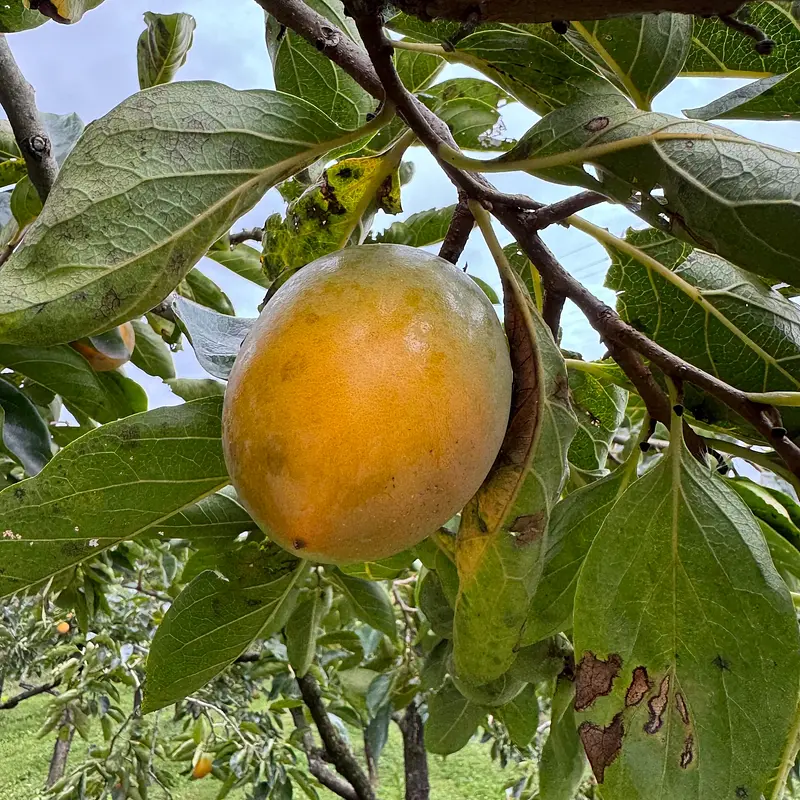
{"x": 502, "y": 534}
{"x": 602, "y": 745}
{"x": 595, "y": 678}
{"x": 679, "y": 575}
{"x": 640, "y": 686}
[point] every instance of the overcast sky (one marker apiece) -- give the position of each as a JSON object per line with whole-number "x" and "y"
{"x": 90, "y": 67}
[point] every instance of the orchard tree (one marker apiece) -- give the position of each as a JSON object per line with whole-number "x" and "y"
{"x": 399, "y": 513}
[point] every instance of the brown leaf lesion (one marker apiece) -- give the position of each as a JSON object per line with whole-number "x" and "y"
{"x": 602, "y": 744}
{"x": 687, "y": 754}
{"x": 640, "y": 686}
{"x": 595, "y": 678}
{"x": 657, "y": 705}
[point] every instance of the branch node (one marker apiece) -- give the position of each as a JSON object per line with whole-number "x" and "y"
{"x": 778, "y": 432}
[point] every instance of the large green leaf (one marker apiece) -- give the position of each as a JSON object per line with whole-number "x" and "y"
{"x": 563, "y": 762}
{"x": 641, "y": 54}
{"x": 773, "y": 98}
{"x": 201, "y": 289}
{"x": 719, "y": 192}
{"x": 250, "y": 593}
{"x": 104, "y": 396}
{"x": 243, "y": 260}
{"x": 719, "y": 51}
{"x": 23, "y": 432}
{"x": 301, "y": 633}
{"x": 14, "y": 16}
{"x": 688, "y": 640}
{"x": 163, "y": 46}
{"x": 502, "y": 536}
{"x": 110, "y": 485}
{"x": 420, "y": 229}
{"x": 452, "y": 720}
{"x": 144, "y": 194}
{"x": 718, "y": 318}
{"x": 521, "y": 717}
{"x": 369, "y": 600}
{"x": 573, "y": 527}
{"x": 300, "y": 69}
{"x": 150, "y": 352}
{"x": 417, "y": 70}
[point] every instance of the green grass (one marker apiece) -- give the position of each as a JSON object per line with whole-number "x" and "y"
{"x": 468, "y": 775}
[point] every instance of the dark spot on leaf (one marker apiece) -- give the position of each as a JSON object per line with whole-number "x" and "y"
{"x": 687, "y": 755}
{"x": 721, "y": 664}
{"x": 252, "y": 602}
{"x": 657, "y": 706}
{"x": 682, "y": 710}
{"x": 529, "y": 528}
{"x": 640, "y": 686}
{"x": 19, "y": 493}
{"x": 602, "y": 745}
{"x": 741, "y": 791}
{"x": 70, "y": 549}
{"x": 298, "y": 544}
{"x": 110, "y": 303}
{"x": 595, "y": 678}
{"x": 597, "y": 124}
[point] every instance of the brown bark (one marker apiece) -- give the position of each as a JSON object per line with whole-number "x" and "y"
{"x": 542, "y": 11}
{"x": 58, "y": 761}
{"x": 414, "y": 756}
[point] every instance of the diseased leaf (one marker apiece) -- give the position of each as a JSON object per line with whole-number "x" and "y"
{"x": 216, "y": 617}
{"x": 104, "y": 396}
{"x": 15, "y": 16}
{"x": 574, "y": 525}
{"x": 151, "y": 353}
{"x": 641, "y": 54}
{"x": 419, "y": 230}
{"x": 301, "y": 70}
{"x": 563, "y": 764}
{"x": 301, "y": 633}
{"x": 163, "y": 46}
{"x": 200, "y": 288}
{"x": 452, "y": 721}
{"x": 65, "y": 11}
{"x": 195, "y": 388}
{"x": 121, "y": 229}
{"x": 600, "y": 409}
{"x": 244, "y": 261}
{"x": 23, "y": 431}
{"x": 688, "y": 642}
{"x": 720, "y": 319}
{"x": 370, "y": 602}
{"x": 110, "y": 485}
{"x": 216, "y": 338}
{"x": 502, "y": 536}
{"x": 773, "y": 98}
{"x": 719, "y": 51}
{"x": 521, "y": 717}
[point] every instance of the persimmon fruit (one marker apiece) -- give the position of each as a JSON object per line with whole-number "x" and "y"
{"x": 367, "y": 404}
{"x": 101, "y": 362}
{"x": 202, "y": 767}
{"x": 63, "y": 627}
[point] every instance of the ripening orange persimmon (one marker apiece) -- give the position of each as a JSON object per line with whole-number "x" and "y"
{"x": 367, "y": 404}
{"x": 100, "y": 362}
{"x": 63, "y": 627}
{"x": 202, "y": 767}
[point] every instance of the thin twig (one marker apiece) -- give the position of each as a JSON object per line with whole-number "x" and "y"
{"x": 18, "y": 101}
{"x": 14, "y": 701}
{"x": 164, "y": 598}
{"x": 457, "y": 234}
{"x": 249, "y": 234}
{"x": 561, "y": 209}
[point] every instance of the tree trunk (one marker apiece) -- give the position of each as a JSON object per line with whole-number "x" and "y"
{"x": 414, "y": 755}
{"x": 58, "y": 763}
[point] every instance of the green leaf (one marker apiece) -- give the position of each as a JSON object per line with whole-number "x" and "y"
{"x": 216, "y": 617}
{"x": 104, "y": 396}
{"x": 433, "y": 603}
{"x": 195, "y": 388}
{"x": 430, "y": 32}
{"x": 690, "y": 662}
{"x": 301, "y": 633}
{"x": 163, "y": 46}
{"x": 12, "y": 165}
{"x": 14, "y": 16}
{"x": 718, "y": 318}
{"x": 785, "y": 556}
{"x": 521, "y": 717}
{"x": 384, "y": 570}
{"x": 641, "y": 54}
{"x": 25, "y": 202}
{"x": 122, "y": 227}
{"x": 64, "y": 131}
{"x": 773, "y": 98}
{"x": 67, "y": 11}
{"x": 600, "y": 409}
{"x": 487, "y": 290}
{"x": 420, "y": 229}
{"x": 719, "y": 51}
{"x": 300, "y": 69}
{"x": 244, "y": 261}
{"x": 337, "y": 209}
{"x": 200, "y": 288}
{"x": 502, "y": 535}
{"x": 563, "y": 763}
{"x": 703, "y": 201}
{"x": 766, "y": 507}
{"x": 151, "y": 353}
{"x": 110, "y": 485}
{"x": 216, "y": 338}
{"x": 24, "y": 433}
{"x": 416, "y": 69}
{"x": 370, "y": 602}
{"x": 452, "y": 721}
{"x": 573, "y": 527}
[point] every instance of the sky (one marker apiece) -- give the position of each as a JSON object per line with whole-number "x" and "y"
{"x": 90, "y": 67}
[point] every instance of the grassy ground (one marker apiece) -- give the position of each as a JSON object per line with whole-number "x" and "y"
{"x": 468, "y": 775}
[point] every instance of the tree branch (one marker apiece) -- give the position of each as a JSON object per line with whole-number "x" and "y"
{"x": 330, "y": 780}
{"x": 14, "y": 701}
{"x": 457, "y": 234}
{"x": 415, "y": 758}
{"x": 249, "y": 234}
{"x": 552, "y": 308}
{"x": 340, "y": 754}
{"x": 561, "y": 209}
{"x": 18, "y": 101}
